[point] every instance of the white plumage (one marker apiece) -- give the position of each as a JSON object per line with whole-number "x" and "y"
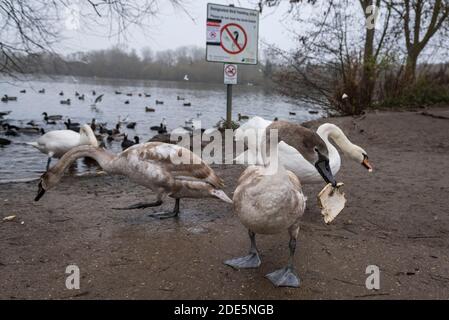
{"x": 291, "y": 158}
{"x": 269, "y": 202}
{"x": 56, "y": 143}
{"x": 251, "y": 133}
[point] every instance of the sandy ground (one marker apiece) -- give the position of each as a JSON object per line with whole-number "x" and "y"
{"x": 396, "y": 218}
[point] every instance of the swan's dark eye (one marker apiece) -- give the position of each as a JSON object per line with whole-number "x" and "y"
{"x": 316, "y": 149}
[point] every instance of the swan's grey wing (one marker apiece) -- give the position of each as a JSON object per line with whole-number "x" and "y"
{"x": 294, "y": 180}
{"x": 299, "y": 199}
{"x": 302, "y": 139}
{"x": 179, "y": 162}
{"x": 248, "y": 174}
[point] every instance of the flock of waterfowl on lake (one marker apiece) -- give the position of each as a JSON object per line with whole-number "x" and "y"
{"x": 101, "y": 131}
{"x": 265, "y": 201}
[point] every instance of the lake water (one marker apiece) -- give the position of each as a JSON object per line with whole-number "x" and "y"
{"x": 19, "y": 161}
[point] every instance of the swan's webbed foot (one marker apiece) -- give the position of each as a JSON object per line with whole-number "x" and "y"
{"x": 252, "y": 260}
{"x": 285, "y": 277}
{"x": 166, "y": 215}
{"x": 141, "y": 205}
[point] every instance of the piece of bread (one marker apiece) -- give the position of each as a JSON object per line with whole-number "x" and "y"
{"x": 331, "y": 201}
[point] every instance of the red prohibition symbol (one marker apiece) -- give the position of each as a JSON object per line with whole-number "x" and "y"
{"x": 240, "y": 48}
{"x": 230, "y": 71}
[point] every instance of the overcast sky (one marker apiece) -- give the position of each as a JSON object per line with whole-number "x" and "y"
{"x": 173, "y": 28}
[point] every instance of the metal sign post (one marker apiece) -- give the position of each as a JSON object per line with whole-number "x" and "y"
{"x": 232, "y": 36}
{"x": 229, "y": 106}
{"x": 229, "y": 78}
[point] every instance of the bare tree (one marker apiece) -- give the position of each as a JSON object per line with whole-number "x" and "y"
{"x": 369, "y": 57}
{"x": 31, "y": 27}
{"x": 338, "y": 52}
{"x": 422, "y": 20}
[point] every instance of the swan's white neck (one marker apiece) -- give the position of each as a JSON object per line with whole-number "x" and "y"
{"x": 326, "y": 131}
{"x": 103, "y": 157}
{"x": 351, "y": 150}
{"x": 87, "y": 136}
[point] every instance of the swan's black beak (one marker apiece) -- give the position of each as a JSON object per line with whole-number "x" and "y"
{"x": 323, "y": 167}
{"x": 40, "y": 192}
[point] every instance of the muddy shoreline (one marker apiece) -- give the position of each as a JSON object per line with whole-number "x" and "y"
{"x": 396, "y": 218}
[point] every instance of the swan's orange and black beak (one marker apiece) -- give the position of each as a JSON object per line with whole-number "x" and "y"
{"x": 366, "y": 163}
{"x": 323, "y": 168}
{"x": 40, "y": 192}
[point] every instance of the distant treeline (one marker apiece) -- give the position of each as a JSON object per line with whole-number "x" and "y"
{"x": 148, "y": 65}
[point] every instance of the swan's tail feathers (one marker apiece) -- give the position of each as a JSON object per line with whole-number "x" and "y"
{"x": 34, "y": 144}
{"x": 220, "y": 194}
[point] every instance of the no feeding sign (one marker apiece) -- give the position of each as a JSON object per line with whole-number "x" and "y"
{"x": 232, "y": 34}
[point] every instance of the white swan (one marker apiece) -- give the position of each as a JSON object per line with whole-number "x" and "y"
{"x": 166, "y": 169}
{"x": 56, "y": 143}
{"x": 269, "y": 203}
{"x": 292, "y": 139}
{"x": 251, "y": 133}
